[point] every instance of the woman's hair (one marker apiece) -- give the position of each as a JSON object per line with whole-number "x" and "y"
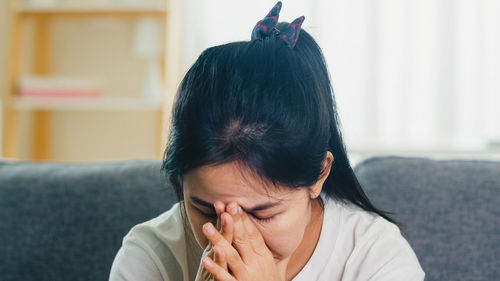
{"x": 267, "y": 107}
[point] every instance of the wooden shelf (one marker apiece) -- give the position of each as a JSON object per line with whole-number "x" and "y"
{"x": 21, "y": 12}
{"x": 82, "y": 10}
{"x": 85, "y": 104}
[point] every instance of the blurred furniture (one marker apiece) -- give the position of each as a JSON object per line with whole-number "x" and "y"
{"x": 450, "y": 211}
{"x": 23, "y": 11}
{"x": 61, "y": 221}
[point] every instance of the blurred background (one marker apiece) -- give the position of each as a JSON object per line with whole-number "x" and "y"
{"x": 94, "y": 80}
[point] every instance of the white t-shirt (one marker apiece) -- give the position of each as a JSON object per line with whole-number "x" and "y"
{"x": 354, "y": 245}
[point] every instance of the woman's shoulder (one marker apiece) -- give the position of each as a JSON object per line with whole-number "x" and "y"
{"x": 372, "y": 245}
{"x": 166, "y": 233}
{"x": 166, "y": 227}
{"x": 363, "y": 223}
{"x": 163, "y": 240}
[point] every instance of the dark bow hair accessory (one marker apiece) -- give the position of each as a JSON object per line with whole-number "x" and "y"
{"x": 267, "y": 25}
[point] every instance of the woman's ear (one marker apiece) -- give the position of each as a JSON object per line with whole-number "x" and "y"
{"x": 316, "y": 188}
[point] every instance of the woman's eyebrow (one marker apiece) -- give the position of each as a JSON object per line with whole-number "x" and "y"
{"x": 260, "y": 207}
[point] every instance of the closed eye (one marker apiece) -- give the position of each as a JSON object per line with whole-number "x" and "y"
{"x": 214, "y": 216}
{"x": 211, "y": 216}
{"x": 262, "y": 219}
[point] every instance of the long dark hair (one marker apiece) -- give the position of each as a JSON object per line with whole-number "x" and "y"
{"x": 268, "y": 107}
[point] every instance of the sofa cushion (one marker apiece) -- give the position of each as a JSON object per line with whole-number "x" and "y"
{"x": 62, "y": 221}
{"x": 450, "y": 211}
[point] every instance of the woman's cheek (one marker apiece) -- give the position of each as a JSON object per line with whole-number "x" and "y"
{"x": 283, "y": 237}
{"x": 196, "y": 222}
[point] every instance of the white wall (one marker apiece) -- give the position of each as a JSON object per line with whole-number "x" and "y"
{"x": 410, "y": 77}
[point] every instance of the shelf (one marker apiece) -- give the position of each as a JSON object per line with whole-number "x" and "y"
{"x": 83, "y": 104}
{"x": 82, "y": 9}
{"x": 43, "y": 15}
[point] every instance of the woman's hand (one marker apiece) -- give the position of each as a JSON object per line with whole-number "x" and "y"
{"x": 248, "y": 257}
{"x": 227, "y": 230}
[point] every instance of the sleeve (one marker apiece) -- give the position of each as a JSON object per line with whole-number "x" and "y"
{"x": 383, "y": 257}
{"x": 132, "y": 263}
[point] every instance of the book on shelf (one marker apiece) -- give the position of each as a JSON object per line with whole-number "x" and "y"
{"x": 64, "y": 87}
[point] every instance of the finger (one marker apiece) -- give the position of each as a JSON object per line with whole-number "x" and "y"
{"x": 220, "y": 258}
{"x": 227, "y": 226}
{"x": 219, "y": 273}
{"x": 254, "y": 237}
{"x": 240, "y": 238}
{"x": 233, "y": 259}
{"x": 226, "y": 221}
{"x": 219, "y": 207}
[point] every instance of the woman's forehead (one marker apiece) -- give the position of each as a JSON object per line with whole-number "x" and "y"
{"x": 226, "y": 190}
{"x": 229, "y": 177}
{"x": 227, "y": 183}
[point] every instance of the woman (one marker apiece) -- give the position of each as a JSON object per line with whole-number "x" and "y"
{"x": 265, "y": 188}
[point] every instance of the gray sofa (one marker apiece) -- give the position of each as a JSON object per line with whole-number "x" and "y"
{"x": 61, "y": 221}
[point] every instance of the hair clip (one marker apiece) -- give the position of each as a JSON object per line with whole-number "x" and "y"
{"x": 267, "y": 25}
{"x": 291, "y": 34}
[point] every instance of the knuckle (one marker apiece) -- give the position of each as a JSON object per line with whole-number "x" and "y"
{"x": 219, "y": 254}
{"x": 239, "y": 241}
{"x": 253, "y": 236}
{"x": 216, "y": 239}
{"x": 233, "y": 256}
{"x": 217, "y": 273}
{"x": 261, "y": 252}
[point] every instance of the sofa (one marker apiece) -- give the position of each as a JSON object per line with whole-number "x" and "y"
{"x": 66, "y": 221}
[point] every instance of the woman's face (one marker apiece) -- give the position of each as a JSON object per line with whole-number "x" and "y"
{"x": 280, "y": 214}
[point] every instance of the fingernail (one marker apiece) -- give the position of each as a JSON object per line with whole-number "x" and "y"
{"x": 217, "y": 210}
{"x": 240, "y": 210}
{"x": 207, "y": 262}
{"x": 233, "y": 210}
{"x": 209, "y": 229}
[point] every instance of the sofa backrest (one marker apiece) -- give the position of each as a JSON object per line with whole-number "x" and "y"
{"x": 450, "y": 209}
{"x": 61, "y": 221}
